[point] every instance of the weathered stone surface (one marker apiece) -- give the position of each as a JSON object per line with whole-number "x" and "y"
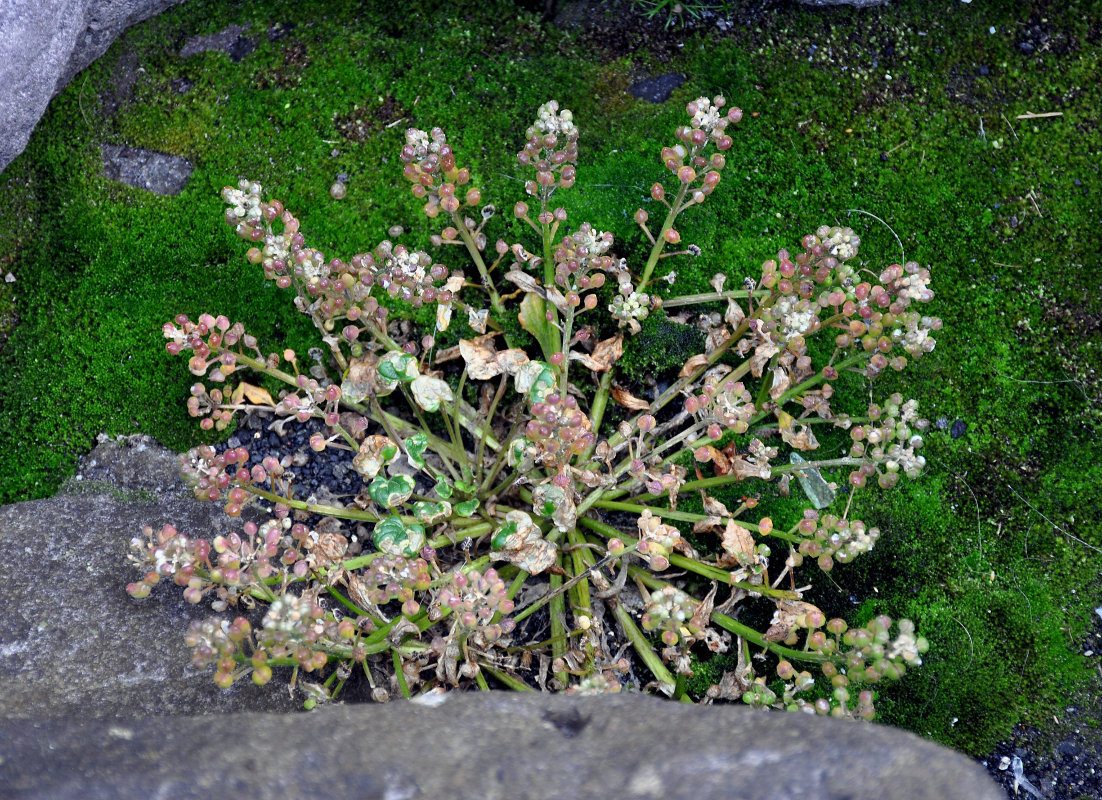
{"x": 72, "y": 642}
{"x": 161, "y": 173}
{"x": 97, "y": 699}
{"x": 231, "y": 41}
{"x": 855, "y": 3}
{"x": 657, "y": 90}
{"x": 487, "y": 746}
{"x": 44, "y": 44}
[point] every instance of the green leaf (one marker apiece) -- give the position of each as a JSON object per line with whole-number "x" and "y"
{"x": 391, "y": 492}
{"x": 467, "y": 507}
{"x": 430, "y": 513}
{"x": 415, "y": 449}
{"x": 395, "y": 366}
{"x": 394, "y": 537}
{"x": 506, "y": 530}
{"x": 465, "y": 487}
{"x": 443, "y": 489}
{"x": 386, "y": 369}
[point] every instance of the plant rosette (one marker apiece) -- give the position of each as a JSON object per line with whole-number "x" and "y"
{"x": 489, "y": 465}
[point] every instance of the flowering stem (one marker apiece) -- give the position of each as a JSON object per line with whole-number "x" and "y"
{"x": 480, "y": 264}
{"x": 704, "y": 570}
{"x": 708, "y": 297}
{"x": 644, "y": 649}
{"x": 502, "y": 677}
{"x": 660, "y": 239}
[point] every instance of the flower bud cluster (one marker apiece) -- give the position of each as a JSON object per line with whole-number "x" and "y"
{"x": 708, "y": 124}
{"x": 166, "y": 554}
{"x": 395, "y": 577}
{"x": 870, "y": 653}
{"x": 890, "y": 440}
{"x": 240, "y": 561}
{"x": 331, "y": 290}
{"x": 559, "y": 429}
{"x": 210, "y": 340}
{"x": 658, "y": 478}
{"x": 722, "y": 401}
{"x": 631, "y": 309}
{"x": 474, "y": 598}
{"x": 578, "y": 255}
{"x": 552, "y": 148}
{"x": 657, "y": 540}
{"x": 430, "y": 167}
{"x": 671, "y": 611}
{"x": 600, "y": 682}
{"x": 211, "y": 643}
{"x": 410, "y": 275}
{"x": 831, "y": 538}
{"x": 210, "y": 473}
{"x": 297, "y": 627}
{"x": 316, "y": 400}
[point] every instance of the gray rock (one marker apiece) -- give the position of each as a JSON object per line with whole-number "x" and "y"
{"x": 487, "y": 746}
{"x": 230, "y": 41}
{"x": 657, "y": 90}
{"x": 162, "y": 173}
{"x": 854, "y": 3}
{"x": 72, "y": 641}
{"x": 97, "y": 700}
{"x": 44, "y": 44}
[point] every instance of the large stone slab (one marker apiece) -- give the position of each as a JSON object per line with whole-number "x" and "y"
{"x": 44, "y": 44}
{"x": 487, "y": 746}
{"x": 72, "y": 641}
{"x": 97, "y": 699}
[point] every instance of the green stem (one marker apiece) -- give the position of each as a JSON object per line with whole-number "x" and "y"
{"x": 692, "y": 565}
{"x": 480, "y": 264}
{"x": 511, "y": 681}
{"x": 660, "y": 239}
{"x": 643, "y": 647}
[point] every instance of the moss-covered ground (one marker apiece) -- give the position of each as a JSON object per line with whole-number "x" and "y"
{"x": 970, "y": 131}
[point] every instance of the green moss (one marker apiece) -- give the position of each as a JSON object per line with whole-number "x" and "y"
{"x": 660, "y": 347}
{"x": 979, "y": 552}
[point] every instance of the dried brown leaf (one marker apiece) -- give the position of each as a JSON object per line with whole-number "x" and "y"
{"x": 781, "y": 382}
{"x": 734, "y": 314}
{"x": 795, "y": 434}
{"x": 254, "y": 394}
{"x": 628, "y": 400}
{"x": 481, "y": 358}
{"x": 604, "y": 354}
{"x": 736, "y": 539}
{"x": 692, "y": 365}
{"x": 524, "y": 281}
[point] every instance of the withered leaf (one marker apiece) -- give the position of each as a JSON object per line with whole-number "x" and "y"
{"x": 628, "y": 400}
{"x": 713, "y": 506}
{"x": 254, "y": 394}
{"x": 795, "y": 434}
{"x": 692, "y": 365}
{"x": 558, "y": 299}
{"x": 605, "y": 354}
{"x": 477, "y": 319}
{"x": 481, "y": 358}
{"x": 743, "y": 469}
{"x": 735, "y": 539}
{"x": 524, "y": 281}
{"x": 734, "y": 314}
{"x": 781, "y": 382}
{"x": 762, "y": 353}
{"x": 511, "y": 361}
